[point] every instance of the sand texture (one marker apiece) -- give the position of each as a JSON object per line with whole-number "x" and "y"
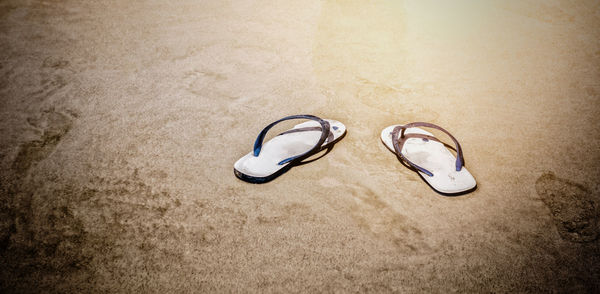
{"x": 120, "y": 122}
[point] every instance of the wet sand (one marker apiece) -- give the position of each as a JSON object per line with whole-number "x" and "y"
{"x": 121, "y": 121}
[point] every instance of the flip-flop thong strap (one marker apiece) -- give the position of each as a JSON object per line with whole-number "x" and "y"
{"x": 399, "y": 143}
{"x": 325, "y": 133}
{"x": 330, "y": 137}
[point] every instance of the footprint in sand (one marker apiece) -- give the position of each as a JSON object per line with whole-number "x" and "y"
{"x": 54, "y": 125}
{"x": 208, "y": 84}
{"x": 52, "y": 80}
{"x": 573, "y": 210}
{"x": 54, "y": 62}
{"x": 374, "y": 215}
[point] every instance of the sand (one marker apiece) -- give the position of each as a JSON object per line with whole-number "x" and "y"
{"x": 121, "y": 120}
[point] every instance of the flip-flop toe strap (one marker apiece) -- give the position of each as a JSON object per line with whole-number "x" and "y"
{"x": 399, "y": 138}
{"x": 330, "y": 137}
{"x": 325, "y": 133}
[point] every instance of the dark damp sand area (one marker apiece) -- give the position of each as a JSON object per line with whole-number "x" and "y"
{"x": 120, "y": 123}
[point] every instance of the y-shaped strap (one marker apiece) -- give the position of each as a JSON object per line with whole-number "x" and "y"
{"x": 330, "y": 137}
{"x": 325, "y": 133}
{"x": 399, "y": 143}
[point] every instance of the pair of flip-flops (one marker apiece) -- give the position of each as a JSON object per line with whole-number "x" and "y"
{"x": 415, "y": 148}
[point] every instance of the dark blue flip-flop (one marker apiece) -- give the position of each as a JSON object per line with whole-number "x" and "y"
{"x": 271, "y": 159}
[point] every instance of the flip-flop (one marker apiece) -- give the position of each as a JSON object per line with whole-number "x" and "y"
{"x": 273, "y": 158}
{"x": 428, "y": 156}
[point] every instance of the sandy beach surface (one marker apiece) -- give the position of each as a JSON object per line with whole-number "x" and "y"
{"x": 120, "y": 122}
